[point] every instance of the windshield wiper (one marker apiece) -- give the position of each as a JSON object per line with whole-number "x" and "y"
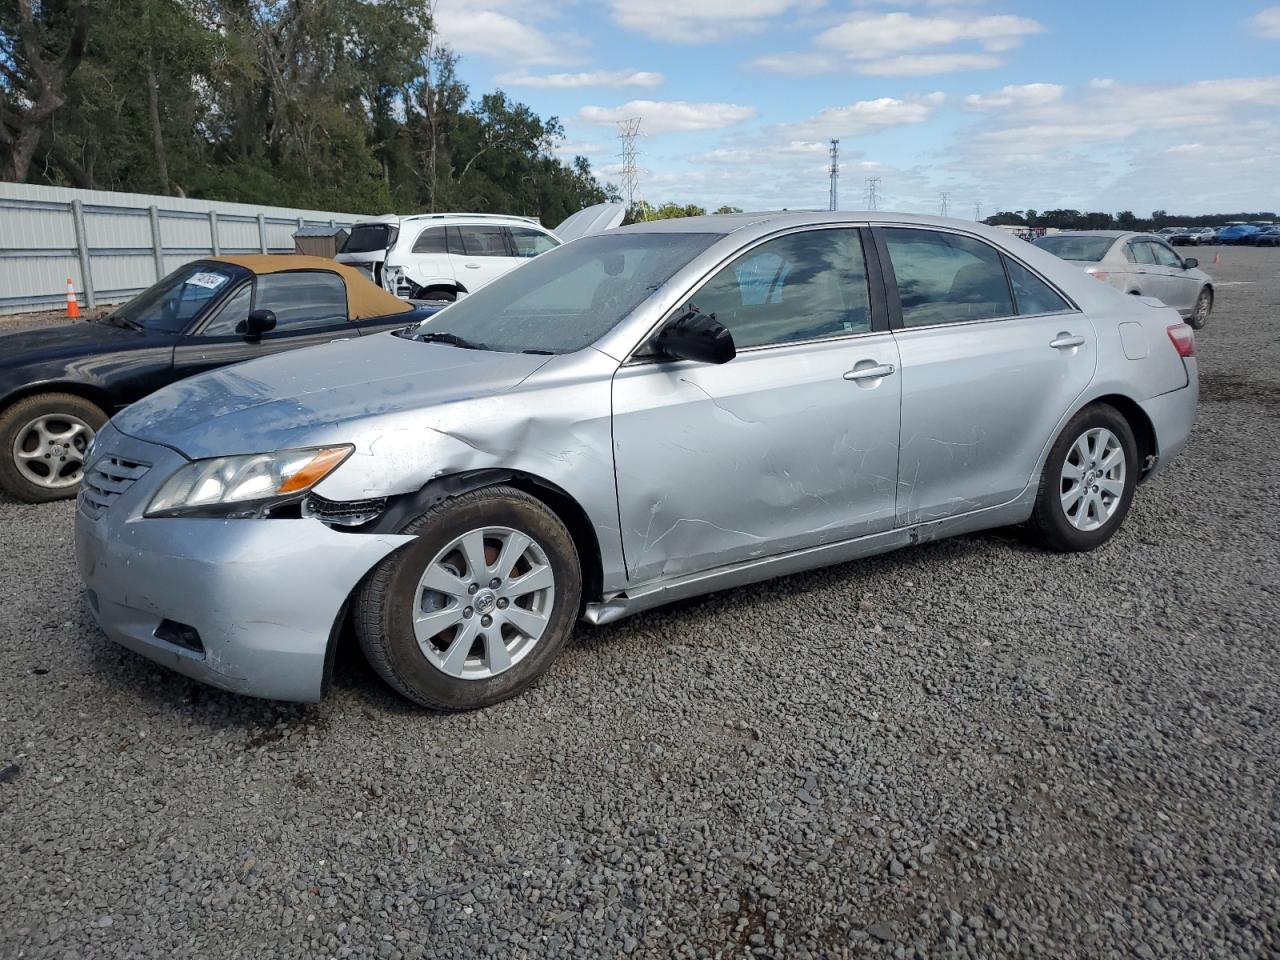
{"x": 120, "y": 320}
{"x": 450, "y": 338}
{"x": 541, "y": 353}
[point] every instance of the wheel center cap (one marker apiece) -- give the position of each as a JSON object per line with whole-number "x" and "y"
{"x": 57, "y": 450}
{"x": 1090, "y": 477}
{"x": 485, "y": 602}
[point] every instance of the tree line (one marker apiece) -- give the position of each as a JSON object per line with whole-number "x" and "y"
{"x": 345, "y": 105}
{"x": 1124, "y": 220}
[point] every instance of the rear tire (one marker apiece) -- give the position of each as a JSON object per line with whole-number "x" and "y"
{"x": 1088, "y": 482}
{"x": 1200, "y": 312}
{"x": 43, "y": 443}
{"x": 446, "y": 620}
{"x": 438, "y": 294}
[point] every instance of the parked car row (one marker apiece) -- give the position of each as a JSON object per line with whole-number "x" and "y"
{"x": 1260, "y": 233}
{"x": 631, "y": 418}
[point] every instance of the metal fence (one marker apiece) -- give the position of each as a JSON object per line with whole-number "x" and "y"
{"x": 114, "y": 245}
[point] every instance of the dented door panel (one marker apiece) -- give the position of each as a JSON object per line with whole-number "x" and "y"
{"x": 773, "y": 451}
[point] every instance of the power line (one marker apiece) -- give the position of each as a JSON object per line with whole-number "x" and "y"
{"x": 944, "y": 203}
{"x": 834, "y": 170}
{"x": 628, "y": 130}
{"x": 873, "y": 193}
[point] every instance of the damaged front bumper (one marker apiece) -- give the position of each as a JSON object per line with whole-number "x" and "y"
{"x": 245, "y": 605}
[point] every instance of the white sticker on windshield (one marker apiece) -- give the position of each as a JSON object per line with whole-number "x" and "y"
{"x": 210, "y": 281}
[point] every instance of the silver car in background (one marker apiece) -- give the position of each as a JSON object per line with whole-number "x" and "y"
{"x": 636, "y": 417}
{"x": 1142, "y": 264}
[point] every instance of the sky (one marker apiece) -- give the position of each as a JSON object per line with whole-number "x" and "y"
{"x": 1002, "y": 105}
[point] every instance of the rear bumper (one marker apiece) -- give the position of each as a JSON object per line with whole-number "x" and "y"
{"x": 1172, "y": 416}
{"x": 263, "y": 595}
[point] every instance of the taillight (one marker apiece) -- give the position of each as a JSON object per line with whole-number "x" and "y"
{"x": 1100, "y": 275}
{"x": 1184, "y": 339}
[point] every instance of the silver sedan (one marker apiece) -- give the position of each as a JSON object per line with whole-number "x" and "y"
{"x": 1142, "y": 264}
{"x": 632, "y": 418}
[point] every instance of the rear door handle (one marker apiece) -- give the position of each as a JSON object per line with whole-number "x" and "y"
{"x": 1065, "y": 340}
{"x": 869, "y": 373}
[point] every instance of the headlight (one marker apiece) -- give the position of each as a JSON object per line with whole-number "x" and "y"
{"x": 245, "y": 486}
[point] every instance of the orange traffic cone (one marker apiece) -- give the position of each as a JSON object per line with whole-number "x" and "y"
{"x": 73, "y": 306}
{"x": 1217, "y": 258}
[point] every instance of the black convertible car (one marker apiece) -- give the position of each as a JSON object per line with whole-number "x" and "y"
{"x": 58, "y": 385}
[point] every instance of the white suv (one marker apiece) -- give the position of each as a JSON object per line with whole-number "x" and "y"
{"x": 443, "y": 256}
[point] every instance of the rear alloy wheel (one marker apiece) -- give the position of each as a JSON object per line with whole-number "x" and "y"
{"x": 44, "y": 441}
{"x": 1088, "y": 481}
{"x": 1200, "y": 313}
{"x": 478, "y": 606}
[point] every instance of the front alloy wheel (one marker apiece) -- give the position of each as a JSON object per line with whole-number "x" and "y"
{"x": 478, "y": 606}
{"x": 1200, "y": 312}
{"x": 483, "y": 603}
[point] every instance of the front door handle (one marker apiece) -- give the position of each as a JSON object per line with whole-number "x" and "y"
{"x": 869, "y": 373}
{"x": 472, "y": 266}
{"x": 1065, "y": 340}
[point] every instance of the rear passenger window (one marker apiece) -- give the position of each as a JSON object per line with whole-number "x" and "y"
{"x": 1142, "y": 252}
{"x": 480, "y": 241}
{"x": 1031, "y": 294}
{"x": 803, "y": 286}
{"x": 431, "y": 240}
{"x": 528, "y": 242}
{"x": 946, "y": 278}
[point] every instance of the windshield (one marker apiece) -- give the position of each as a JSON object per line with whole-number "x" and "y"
{"x": 1076, "y": 248}
{"x": 170, "y": 305}
{"x": 568, "y": 297}
{"x": 368, "y": 237}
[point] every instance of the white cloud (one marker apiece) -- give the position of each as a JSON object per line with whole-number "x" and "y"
{"x": 871, "y": 36}
{"x": 799, "y": 64}
{"x": 927, "y": 64}
{"x": 573, "y": 148}
{"x": 668, "y": 116}
{"x": 904, "y": 44}
{"x": 864, "y": 116}
{"x": 591, "y": 78}
{"x": 492, "y": 33}
{"x": 1016, "y": 95}
{"x": 1267, "y": 23}
{"x": 700, "y": 21}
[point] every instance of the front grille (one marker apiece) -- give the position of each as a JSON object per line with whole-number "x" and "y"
{"x": 107, "y": 479}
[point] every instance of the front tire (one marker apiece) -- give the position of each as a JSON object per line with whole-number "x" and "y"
{"x": 476, "y": 608}
{"x": 1200, "y": 312}
{"x": 1088, "y": 481}
{"x": 44, "y": 440}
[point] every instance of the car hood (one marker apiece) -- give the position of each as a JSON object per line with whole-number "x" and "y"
{"x": 64, "y": 340}
{"x": 307, "y": 396}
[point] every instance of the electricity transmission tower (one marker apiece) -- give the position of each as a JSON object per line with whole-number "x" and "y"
{"x": 873, "y": 193}
{"x": 977, "y": 211}
{"x": 628, "y": 130}
{"x": 834, "y": 170}
{"x": 944, "y": 203}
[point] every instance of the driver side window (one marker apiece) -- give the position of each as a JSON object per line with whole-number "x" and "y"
{"x": 230, "y": 319}
{"x": 802, "y": 286}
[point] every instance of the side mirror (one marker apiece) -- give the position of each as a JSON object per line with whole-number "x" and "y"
{"x": 1190, "y": 263}
{"x": 697, "y": 336}
{"x": 258, "y": 323}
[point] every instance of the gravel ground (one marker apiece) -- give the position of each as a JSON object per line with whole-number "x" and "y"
{"x": 969, "y": 748}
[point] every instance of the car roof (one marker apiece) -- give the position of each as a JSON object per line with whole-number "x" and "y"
{"x": 727, "y": 223}
{"x": 365, "y": 299}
